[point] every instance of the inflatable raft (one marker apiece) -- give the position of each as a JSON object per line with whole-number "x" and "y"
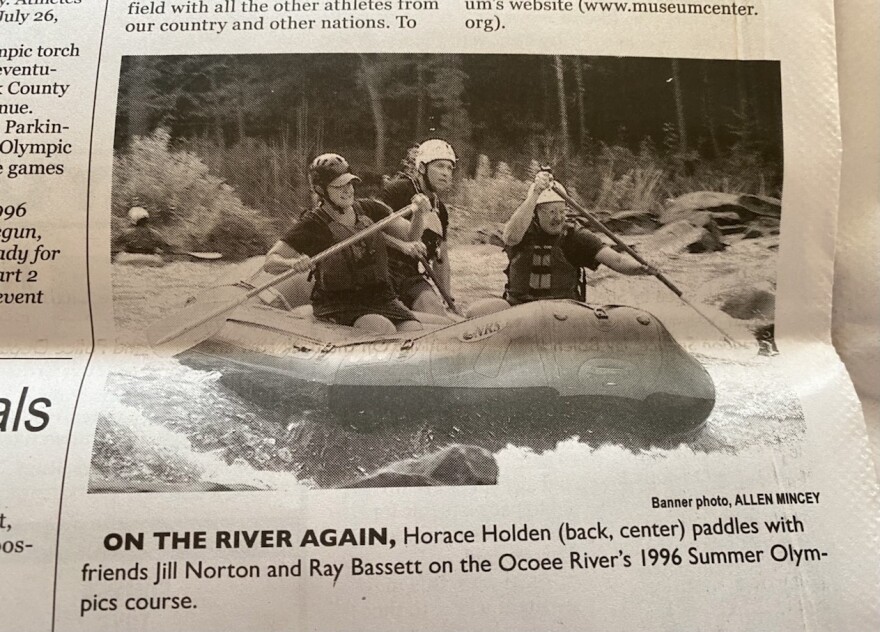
{"x": 563, "y": 367}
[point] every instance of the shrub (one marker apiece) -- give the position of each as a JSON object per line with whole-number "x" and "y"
{"x": 190, "y": 207}
{"x": 269, "y": 176}
{"x": 489, "y": 197}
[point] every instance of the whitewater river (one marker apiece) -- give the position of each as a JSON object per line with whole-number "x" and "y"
{"x": 166, "y": 423}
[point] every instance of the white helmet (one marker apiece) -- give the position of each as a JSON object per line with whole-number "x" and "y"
{"x": 549, "y": 195}
{"x": 137, "y": 213}
{"x": 434, "y": 149}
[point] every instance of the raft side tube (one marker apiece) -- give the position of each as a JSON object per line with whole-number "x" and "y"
{"x": 559, "y": 366}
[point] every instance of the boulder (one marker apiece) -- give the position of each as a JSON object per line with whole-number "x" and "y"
{"x": 766, "y": 337}
{"x": 748, "y": 302}
{"x": 703, "y": 220}
{"x": 726, "y": 218}
{"x": 631, "y": 223}
{"x": 761, "y": 205}
{"x": 683, "y": 236}
{"x": 761, "y": 227}
{"x": 453, "y": 465}
{"x": 99, "y": 484}
{"x": 732, "y": 229}
{"x": 724, "y": 206}
{"x": 489, "y": 234}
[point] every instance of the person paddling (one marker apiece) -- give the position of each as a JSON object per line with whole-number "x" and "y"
{"x": 352, "y": 287}
{"x": 435, "y": 164}
{"x": 547, "y": 251}
{"x": 140, "y": 238}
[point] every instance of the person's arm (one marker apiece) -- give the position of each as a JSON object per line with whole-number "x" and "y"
{"x": 282, "y": 257}
{"x": 417, "y": 223}
{"x": 624, "y": 264}
{"x": 413, "y": 249}
{"x": 410, "y": 230}
{"x": 394, "y": 234}
{"x": 522, "y": 217}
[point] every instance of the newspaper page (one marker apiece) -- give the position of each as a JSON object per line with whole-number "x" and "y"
{"x": 857, "y": 262}
{"x": 409, "y": 314}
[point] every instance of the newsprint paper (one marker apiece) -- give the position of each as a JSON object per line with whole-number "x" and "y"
{"x": 423, "y": 315}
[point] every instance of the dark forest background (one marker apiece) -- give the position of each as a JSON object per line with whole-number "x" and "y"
{"x": 216, "y": 147}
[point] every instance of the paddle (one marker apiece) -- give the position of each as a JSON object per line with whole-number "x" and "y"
{"x": 199, "y": 321}
{"x": 205, "y": 256}
{"x": 450, "y": 302}
{"x": 594, "y": 221}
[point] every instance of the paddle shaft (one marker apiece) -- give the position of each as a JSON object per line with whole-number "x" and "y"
{"x": 660, "y": 276}
{"x": 200, "y": 255}
{"x": 617, "y": 240}
{"x": 450, "y": 302}
{"x": 332, "y": 250}
{"x": 195, "y": 255}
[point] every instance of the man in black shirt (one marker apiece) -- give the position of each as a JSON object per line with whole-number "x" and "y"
{"x": 435, "y": 164}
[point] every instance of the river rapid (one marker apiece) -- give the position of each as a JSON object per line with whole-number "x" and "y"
{"x": 164, "y": 424}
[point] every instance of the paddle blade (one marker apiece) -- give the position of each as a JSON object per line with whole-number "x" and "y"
{"x": 191, "y": 325}
{"x": 206, "y": 256}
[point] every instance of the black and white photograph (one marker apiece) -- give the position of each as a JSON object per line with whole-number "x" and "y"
{"x": 391, "y": 270}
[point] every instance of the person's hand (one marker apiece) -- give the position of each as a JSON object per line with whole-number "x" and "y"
{"x": 543, "y": 181}
{"x": 647, "y": 271}
{"x": 299, "y": 264}
{"x": 414, "y": 249}
{"x": 422, "y": 203}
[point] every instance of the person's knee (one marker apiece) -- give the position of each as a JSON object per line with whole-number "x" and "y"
{"x": 409, "y": 325}
{"x": 486, "y": 306}
{"x": 429, "y": 302}
{"x": 375, "y": 323}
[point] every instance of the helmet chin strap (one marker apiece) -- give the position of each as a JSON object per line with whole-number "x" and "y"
{"x": 325, "y": 200}
{"x": 425, "y": 181}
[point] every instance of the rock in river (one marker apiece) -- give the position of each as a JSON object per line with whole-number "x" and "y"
{"x": 453, "y": 465}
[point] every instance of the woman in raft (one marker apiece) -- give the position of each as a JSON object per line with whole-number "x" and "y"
{"x": 352, "y": 287}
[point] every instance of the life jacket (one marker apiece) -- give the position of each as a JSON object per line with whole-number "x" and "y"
{"x": 539, "y": 269}
{"x": 141, "y": 239}
{"x": 360, "y": 267}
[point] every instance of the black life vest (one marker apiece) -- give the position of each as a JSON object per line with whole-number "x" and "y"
{"x": 539, "y": 269}
{"x": 141, "y": 239}
{"x": 358, "y": 268}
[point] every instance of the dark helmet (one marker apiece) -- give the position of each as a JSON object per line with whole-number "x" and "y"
{"x": 329, "y": 170}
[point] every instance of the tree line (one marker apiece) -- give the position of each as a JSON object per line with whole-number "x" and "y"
{"x": 513, "y": 108}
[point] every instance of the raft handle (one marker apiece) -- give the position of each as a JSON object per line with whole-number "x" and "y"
{"x": 327, "y": 348}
